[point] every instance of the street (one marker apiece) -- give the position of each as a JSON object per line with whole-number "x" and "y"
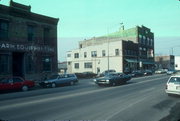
{"x": 141, "y": 99}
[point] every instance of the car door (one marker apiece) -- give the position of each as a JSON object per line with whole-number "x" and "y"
{"x": 174, "y": 84}
{"x": 6, "y": 84}
{"x": 17, "y": 83}
{"x": 62, "y": 79}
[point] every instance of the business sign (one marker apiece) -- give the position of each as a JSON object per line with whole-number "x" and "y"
{"x": 23, "y": 47}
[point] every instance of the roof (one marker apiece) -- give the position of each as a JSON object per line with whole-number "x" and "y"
{"x": 132, "y": 32}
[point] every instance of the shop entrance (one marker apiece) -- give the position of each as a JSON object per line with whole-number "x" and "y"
{"x": 17, "y": 64}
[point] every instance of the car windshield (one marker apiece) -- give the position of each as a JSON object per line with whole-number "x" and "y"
{"x": 174, "y": 80}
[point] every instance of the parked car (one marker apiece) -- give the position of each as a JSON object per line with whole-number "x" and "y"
{"x": 148, "y": 72}
{"x": 173, "y": 85}
{"x": 15, "y": 83}
{"x": 59, "y": 79}
{"x": 112, "y": 79}
{"x": 137, "y": 73}
{"x": 89, "y": 75}
{"x": 169, "y": 72}
{"x": 160, "y": 71}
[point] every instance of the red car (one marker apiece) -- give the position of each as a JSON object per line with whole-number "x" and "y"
{"x": 15, "y": 83}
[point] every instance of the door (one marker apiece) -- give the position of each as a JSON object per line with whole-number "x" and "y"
{"x": 17, "y": 64}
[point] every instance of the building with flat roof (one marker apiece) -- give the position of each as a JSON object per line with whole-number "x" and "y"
{"x": 28, "y": 42}
{"x": 165, "y": 62}
{"x": 135, "y": 48}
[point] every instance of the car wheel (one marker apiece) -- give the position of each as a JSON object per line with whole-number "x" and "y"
{"x": 71, "y": 83}
{"x": 53, "y": 85}
{"x": 25, "y": 88}
{"x": 113, "y": 84}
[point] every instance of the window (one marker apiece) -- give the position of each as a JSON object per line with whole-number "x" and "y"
{"x": 69, "y": 63}
{"x": 85, "y": 54}
{"x": 68, "y": 55}
{"x": 76, "y": 65}
{"x": 46, "y": 35}
{"x": 93, "y": 53}
{"x": 4, "y": 66}
{"x": 116, "y": 52}
{"x": 17, "y": 80}
{"x": 76, "y": 55}
{"x": 29, "y": 64}
{"x": 31, "y": 33}
{"x": 88, "y": 65}
{"x": 174, "y": 80}
{"x": 4, "y": 28}
{"x": 46, "y": 64}
{"x": 103, "y": 53}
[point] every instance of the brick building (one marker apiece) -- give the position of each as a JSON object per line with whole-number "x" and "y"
{"x": 28, "y": 42}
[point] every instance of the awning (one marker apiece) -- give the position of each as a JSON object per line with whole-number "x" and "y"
{"x": 147, "y": 62}
{"x": 131, "y": 60}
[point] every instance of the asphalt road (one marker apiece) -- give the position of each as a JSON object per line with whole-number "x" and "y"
{"x": 142, "y": 99}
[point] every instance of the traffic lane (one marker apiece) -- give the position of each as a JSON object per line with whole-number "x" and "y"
{"x": 86, "y": 84}
{"x": 83, "y": 85}
{"x": 153, "y": 107}
{"x": 90, "y": 105}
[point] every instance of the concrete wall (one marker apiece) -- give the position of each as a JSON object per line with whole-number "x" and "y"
{"x": 101, "y": 62}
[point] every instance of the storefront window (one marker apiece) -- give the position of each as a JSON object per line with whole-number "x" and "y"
{"x": 47, "y": 64}
{"x": 29, "y": 64}
{"x": 4, "y": 63}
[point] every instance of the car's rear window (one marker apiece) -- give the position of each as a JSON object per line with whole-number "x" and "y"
{"x": 174, "y": 80}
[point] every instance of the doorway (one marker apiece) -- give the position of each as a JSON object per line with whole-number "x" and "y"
{"x": 17, "y": 64}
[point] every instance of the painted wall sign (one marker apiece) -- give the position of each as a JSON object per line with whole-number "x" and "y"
{"x": 22, "y": 47}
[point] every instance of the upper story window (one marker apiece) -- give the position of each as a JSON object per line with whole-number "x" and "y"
{"x": 76, "y": 55}
{"x": 93, "y": 53}
{"x": 4, "y": 29}
{"x": 116, "y": 52}
{"x": 68, "y": 55}
{"x": 46, "y": 35}
{"x": 85, "y": 54}
{"x": 31, "y": 33}
{"x": 103, "y": 53}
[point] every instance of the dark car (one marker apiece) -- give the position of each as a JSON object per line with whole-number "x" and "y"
{"x": 106, "y": 72}
{"x": 15, "y": 83}
{"x": 57, "y": 80}
{"x": 113, "y": 79}
{"x": 89, "y": 75}
{"x": 137, "y": 73}
{"x": 148, "y": 72}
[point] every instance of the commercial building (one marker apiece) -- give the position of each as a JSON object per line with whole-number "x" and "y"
{"x": 28, "y": 42}
{"x": 124, "y": 51}
{"x": 177, "y": 63}
{"x": 165, "y": 62}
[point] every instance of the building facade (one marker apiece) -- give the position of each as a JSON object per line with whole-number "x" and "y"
{"x": 165, "y": 62}
{"x": 177, "y": 62}
{"x": 135, "y": 47}
{"x": 118, "y": 55}
{"x": 140, "y": 35}
{"x": 28, "y": 42}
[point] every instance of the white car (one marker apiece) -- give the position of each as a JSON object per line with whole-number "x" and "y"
{"x": 173, "y": 85}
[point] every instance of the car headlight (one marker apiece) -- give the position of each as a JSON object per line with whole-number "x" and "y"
{"x": 45, "y": 81}
{"x": 107, "y": 80}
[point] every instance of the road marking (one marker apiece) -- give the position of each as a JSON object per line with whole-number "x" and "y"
{"x": 69, "y": 96}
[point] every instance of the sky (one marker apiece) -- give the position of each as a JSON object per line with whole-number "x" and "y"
{"x": 83, "y": 19}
